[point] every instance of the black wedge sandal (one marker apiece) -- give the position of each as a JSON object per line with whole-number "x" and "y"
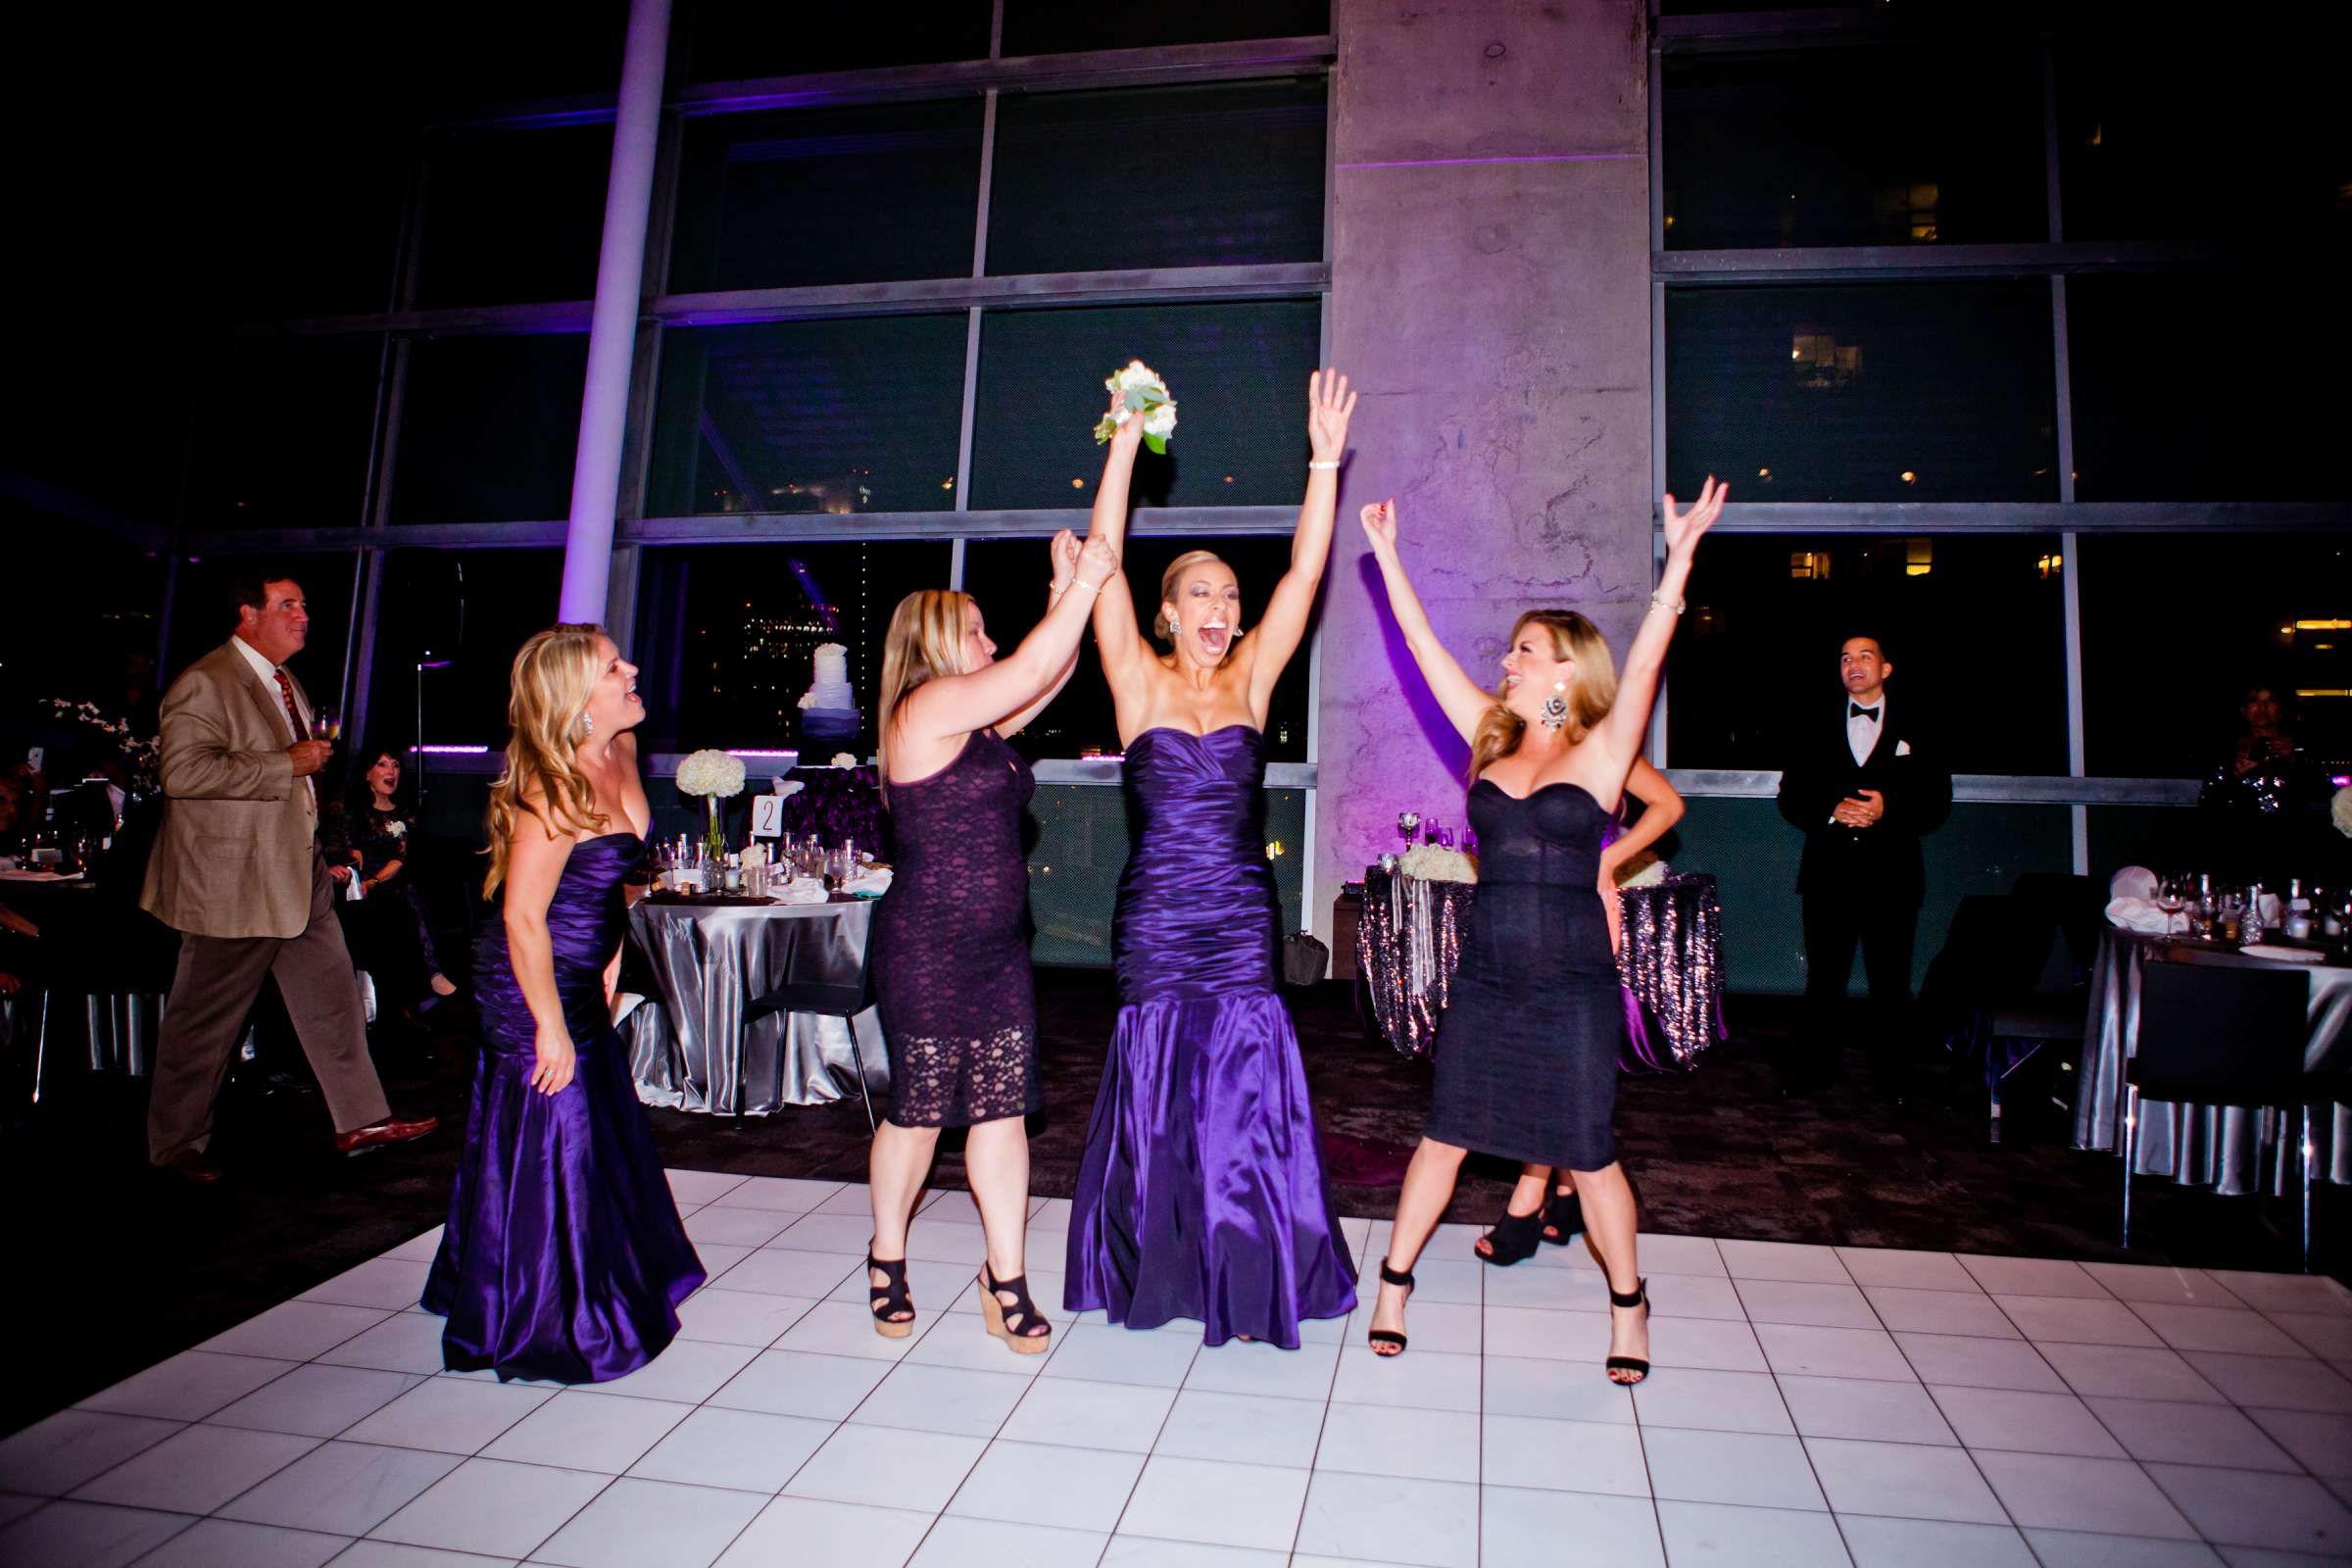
{"x": 1380, "y": 1337}
{"x": 994, "y": 1313}
{"x": 885, "y": 1301}
{"x": 1513, "y": 1240}
{"x": 1635, "y": 1364}
{"x": 1563, "y": 1218}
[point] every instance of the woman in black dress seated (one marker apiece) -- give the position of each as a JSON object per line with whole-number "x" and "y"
{"x": 2263, "y": 801}
{"x": 371, "y": 838}
{"x": 1527, "y": 1052}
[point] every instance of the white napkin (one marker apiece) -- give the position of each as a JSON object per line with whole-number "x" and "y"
{"x": 2262, "y": 949}
{"x": 807, "y": 890}
{"x": 2139, "y": 915}
{"x": 2136, "y": 882}
{"x": 874, "y": 879}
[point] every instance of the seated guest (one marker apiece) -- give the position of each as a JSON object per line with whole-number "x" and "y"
{"x": 369, "y": 837}
{"x": 2263, "y": 799}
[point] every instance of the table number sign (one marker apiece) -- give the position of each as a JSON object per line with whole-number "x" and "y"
{"x": 767, "y": 816}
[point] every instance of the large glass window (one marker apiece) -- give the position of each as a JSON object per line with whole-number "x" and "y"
{"x": 811, "y": 196}
{"x": 1158, "y": 176}
{"x": 282, "y": 435}
{"x": 1907, "y": 143}
{"x": 1007, "y": 578}
{"x": 488, "y": 428}
{"x": 332, "y": 251}
{"x": 734, "y": 40}
{"x": 727, "y": 637}
{"x": 204, "y": 613}
{"x": 104, "y": 613}
{"x": 2176, "y": 628}
{"x": 1239, "y": 373}
{"x": 1975, "y": 629}
{"x": 448, "y": 624}
{"x": 1866, "y": 392}
{"x": 837, "y": 416}
{"x": 515, "y": 217}
{"x": 1052, "y": 26}
{"x": 2205, "y": 386}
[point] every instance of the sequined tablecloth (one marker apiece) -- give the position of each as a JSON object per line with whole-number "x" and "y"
{"x": 1408, "y": 941}
{"x": 2230, "y": 1148}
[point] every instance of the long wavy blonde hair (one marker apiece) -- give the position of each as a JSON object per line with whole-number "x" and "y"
{"x": 925, "y": 641}
{"x": 1591, "y": 693}
{"x": 547, "y": 705}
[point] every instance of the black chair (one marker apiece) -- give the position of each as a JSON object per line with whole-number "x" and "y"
{"x": 2223, "y": 1035}
{"x": 2005, "y": 984}
{"x": 842, "y": 1001}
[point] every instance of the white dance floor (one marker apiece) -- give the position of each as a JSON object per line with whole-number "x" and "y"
{"x": 1810, "y": 1405}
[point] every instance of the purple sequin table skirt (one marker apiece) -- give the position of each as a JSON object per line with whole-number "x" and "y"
{"x": 1408, "y": 940}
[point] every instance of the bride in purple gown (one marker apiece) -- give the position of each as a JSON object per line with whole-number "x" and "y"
{"x": 1201, "y": 1192}
{"x": 564, "y": 1257}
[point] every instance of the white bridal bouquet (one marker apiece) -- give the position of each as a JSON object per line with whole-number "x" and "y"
{"x": 1434, "y": 863}
{"x": 1141, "y": 392}
{"x": 709, "y": 772}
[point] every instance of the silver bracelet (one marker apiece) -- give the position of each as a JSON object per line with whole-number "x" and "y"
{"x": 1090, "y": 587}
{"x": 1314, "y": 465}
{"x": 1675, "y": 605}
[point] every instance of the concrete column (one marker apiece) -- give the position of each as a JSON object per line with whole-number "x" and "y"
{"x": 613, "y": 328}
{"x": 1490, "y": 297}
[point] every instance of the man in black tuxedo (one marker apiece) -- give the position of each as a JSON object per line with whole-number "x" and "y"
{"x": 1863, "y": 795}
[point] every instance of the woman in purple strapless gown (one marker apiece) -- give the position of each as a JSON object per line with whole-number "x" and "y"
{"x": 1201, "y": 1192}
{"x": 564, "y": 1257}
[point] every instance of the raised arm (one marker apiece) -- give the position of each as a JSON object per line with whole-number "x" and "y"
{"x": 1328, "y": 405}
{"x": 1619, "y": 734}
{"x": 1065, "y": 567}
{"x": 1462, "y": 699}
{"x": 535, "y": 862}
{"x": 1116, "y": 638}
{"x": 956, "y": 704}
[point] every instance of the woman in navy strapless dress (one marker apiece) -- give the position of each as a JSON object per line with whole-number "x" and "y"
{"x": 1527, "y": 1052}
{"x": 1201, "y": 1191}
{"x": 564, "y": 1257}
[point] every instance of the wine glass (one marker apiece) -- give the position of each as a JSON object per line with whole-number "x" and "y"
{"x": 2172, "y": 894}
{"x": 1406, "y": 822}
{"x": 326, "y": 724}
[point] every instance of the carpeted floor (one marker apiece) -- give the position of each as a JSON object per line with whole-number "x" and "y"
{"x": 124, "y": 1268}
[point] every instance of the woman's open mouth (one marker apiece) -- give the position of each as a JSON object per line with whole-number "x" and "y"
{"x": 1214, "y": 636}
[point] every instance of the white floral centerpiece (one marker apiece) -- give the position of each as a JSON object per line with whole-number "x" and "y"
{"x": 1142, "y": 393}
{"x": 1434, "y": 863}
{"x": 714, "y": 776}
{"x": 2339, "y": 810}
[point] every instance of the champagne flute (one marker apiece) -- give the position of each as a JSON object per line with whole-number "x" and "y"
{"x": 326, "y": 724}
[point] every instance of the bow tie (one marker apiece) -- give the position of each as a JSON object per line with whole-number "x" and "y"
{"x": 1858, "y": 710}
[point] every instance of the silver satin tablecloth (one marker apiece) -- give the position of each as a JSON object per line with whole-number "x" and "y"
{"x": 692, "y": 1051}
{"x": 2221, "y": 1146}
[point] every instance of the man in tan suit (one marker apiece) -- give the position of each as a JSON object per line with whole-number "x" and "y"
{"x": 237, "y": 871}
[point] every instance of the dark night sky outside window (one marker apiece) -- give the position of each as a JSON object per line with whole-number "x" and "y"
{"x": 490, "y": 428}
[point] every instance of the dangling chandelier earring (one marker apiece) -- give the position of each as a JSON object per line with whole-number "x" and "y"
{"x": 588, "y": 723}
{"x": 1555, "y": 707}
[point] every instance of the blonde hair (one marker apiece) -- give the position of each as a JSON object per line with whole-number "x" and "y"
{"x": 1591, "y": 691}
{"x": 547, "y": 705}
{"x": 1164, "y": 629}
{"x": 924, "y": 642}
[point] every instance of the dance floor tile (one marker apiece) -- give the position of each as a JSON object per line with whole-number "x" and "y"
{"x": 87, "y": 1534}
{"x": 1931, "y": 1544}
{"x": 952, "y": 1203}
{"x": 188, "y": 1387}
{"x": 1708, "y": 1533}
{"x": 1203, "y": 1424}
{"x": 418, "y": 1249}
{"x": 702, "y": 1186}
{"x": 1713, "y": 1401}
{"x": 1913, "y": 1410}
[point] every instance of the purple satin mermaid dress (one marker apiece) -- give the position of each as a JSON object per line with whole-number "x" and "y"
{"x": 564, "y": 1257}
{"x": 1202, "y": 1193}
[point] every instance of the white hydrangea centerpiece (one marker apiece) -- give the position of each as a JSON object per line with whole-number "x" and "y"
{"x": 714, "y": 776}
{"x": 2339, "y": 810}
{"x": 1141, "y": 394}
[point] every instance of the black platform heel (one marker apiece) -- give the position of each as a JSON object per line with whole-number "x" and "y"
{"x": 994, "y": 1313}
{"x": 886, "y": 1300}
{"x": 1513, "y": 1240}
{"x": 1639, "y": 1367}
{"x": 1381, "y": 1337}
{"x": 1563, "y": 1218}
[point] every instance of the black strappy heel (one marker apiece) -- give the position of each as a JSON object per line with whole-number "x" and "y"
{"x": 1380, "y": 1337}
{"x": 994, "y": 1313}
{"x": 1630, "y": 1363}
{"x": 1513, "y": 1240}
{"x": 1563, "y": 1218}
{"x": 884, "y": 1300}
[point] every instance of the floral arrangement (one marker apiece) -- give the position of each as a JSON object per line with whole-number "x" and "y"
{"x": 1434, "y": 863}
{"x": 2339, "y": 810}
{"x": 843, "y": 759}
{"x": 142, "y": 754}
{"x": 1141, "y": 392}
{"x": 708, "y": 772}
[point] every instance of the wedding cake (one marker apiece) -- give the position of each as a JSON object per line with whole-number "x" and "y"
{"x": 830, "y": 709}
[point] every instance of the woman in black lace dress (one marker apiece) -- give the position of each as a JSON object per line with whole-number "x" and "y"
{"x": 370, "y": 839}
{"x": 951, "y": 943}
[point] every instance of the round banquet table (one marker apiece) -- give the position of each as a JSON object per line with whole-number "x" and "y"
{"x": 1408, "y": 941}
{"x": 2218, "y": 1146}
{"x": 693, "y": 1050}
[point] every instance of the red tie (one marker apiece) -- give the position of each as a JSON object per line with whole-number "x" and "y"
{"x": 285, "y": 689}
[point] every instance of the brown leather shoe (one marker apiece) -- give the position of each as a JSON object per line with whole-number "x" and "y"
{"x": 194, "y": 1168}
{"x": 391, "y": 1130}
